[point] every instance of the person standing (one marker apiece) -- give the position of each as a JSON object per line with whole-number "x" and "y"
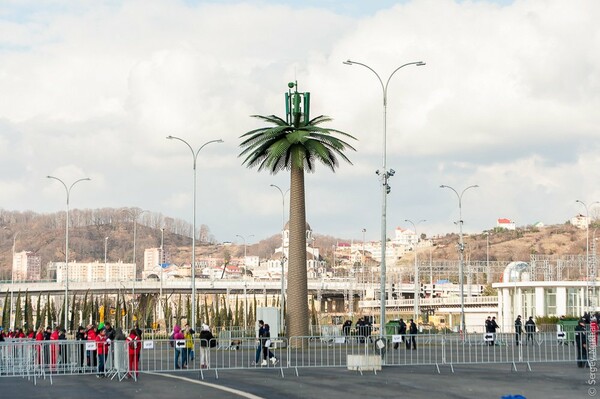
{"x": 413, "y": 330}
{"x": 581, "y": 344}
{"x": 529, "y": 330}
{"x": 91, "y": 354}
{"x": 54, "y": 348}
{"x": 360, "y": 328}
{"x": 493, "y": 327}
{"x": 402, "y": 330}
{"x": 102, "y": 345}
{"x": 346, "y": 328}
{"x": 134, "y": 347}
{"x": 189, "y": 344}
{"x": 266, "y": 343}
{"x": 594, "y": 331}
{"x": 178, "y": 336}
{"x": 487, "y": 327}
{"x": 518, "y": 329}
{"x": 261, "y": 332}
{"x": 206, "y": 339}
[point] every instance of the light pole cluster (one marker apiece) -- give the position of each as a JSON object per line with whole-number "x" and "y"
{"x": 68, "y": 192}
{"x": 282, "y": 310}
{"x": 195, "y": 158}
{"x": 244, "y": 239}
{"x": 587, "y": 245}
{"x": 416, "y": 279}
{"x": 461, "y": 250}
{"x": 134, "y": 214}
{"x": 384, "y": 174}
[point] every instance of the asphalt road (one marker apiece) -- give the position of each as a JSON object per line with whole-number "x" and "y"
{"x": 549, "y": 380}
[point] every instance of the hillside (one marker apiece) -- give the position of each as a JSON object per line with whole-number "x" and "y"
{"x": 45, "y": 235}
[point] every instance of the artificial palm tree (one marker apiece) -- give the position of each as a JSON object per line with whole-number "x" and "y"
{"x": 295, "y": 144}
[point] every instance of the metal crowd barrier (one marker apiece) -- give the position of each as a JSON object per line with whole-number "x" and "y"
{"x": 46, "y": 359}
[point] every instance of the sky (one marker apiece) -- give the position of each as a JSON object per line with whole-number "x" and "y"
{"x": 508, "y": 100}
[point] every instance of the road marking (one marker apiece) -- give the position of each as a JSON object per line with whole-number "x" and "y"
{"x": 208, "y": 384}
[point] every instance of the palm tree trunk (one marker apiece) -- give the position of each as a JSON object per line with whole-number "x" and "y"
{"x": 297, "y": 293}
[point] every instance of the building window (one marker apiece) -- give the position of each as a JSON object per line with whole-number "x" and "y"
{"x": 550, "y": 301}
{"x": 572, "y": 301}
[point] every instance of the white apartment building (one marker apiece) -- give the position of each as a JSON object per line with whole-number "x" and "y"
{"x": 27, "y": 266}
{"x": 95, "y": 271}
{"x": 580, "y": 221}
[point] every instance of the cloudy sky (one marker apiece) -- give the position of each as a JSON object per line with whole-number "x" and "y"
{"x": 509, "y": 100}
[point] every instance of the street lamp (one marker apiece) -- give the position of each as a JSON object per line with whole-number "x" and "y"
{"x": 105, "y": 258}
{"x": 135, "y": 214}
{"x": 384, "y": 175}
{"x": 244, "y": 278}
{"x": 12, "y": 277}
{"x": 416, "y": 294}
{"x": 68, "y": 192}
{"x": 587, "y": 243}
{"x": 282, "y": 321}
{"x": 161, "y": 262}
{"x": 195, "y": 158}
{"x": 244, "y": 238}
{"x": 461, "y": 250}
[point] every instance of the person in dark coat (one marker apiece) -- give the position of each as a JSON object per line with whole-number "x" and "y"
{"x": 402, "y": 330}
{"x": 81, "y": 336}
{"x": 346, "y": 327}
{"x": 493, "y": 327}
{"x": 529, "y": 330}
{"x": 412, "y": 329}
{"x": 360, "y": 330}
{"x": 581, "y": 344}
{"x": 518, "y": 329}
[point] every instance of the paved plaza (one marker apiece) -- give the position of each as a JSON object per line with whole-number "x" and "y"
{"x": 554, "y": 380}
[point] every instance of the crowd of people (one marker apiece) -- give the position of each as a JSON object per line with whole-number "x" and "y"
{"x": 103, "y": 335}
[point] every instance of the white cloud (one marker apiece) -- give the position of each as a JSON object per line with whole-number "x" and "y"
{"x": 507, "y": 100}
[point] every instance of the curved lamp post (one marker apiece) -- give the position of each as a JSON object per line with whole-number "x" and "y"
{"x": 244, "y": 278}
{"x": 12, "y": 277}
{"x": 282, "y": 316}
{"x": 195, "y": 158}
{"x": 384, "y": 175}
{"x": 461, "y": 250}
{"x": 68, "y": 192}
{"x": 134, "y": 214}
{"x": 587, "y": 244}
{"x": 416, "y": 294}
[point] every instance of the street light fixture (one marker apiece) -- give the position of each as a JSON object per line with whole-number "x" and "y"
{"x": 12, "y": 277}
{"x": 68, "y": 192}
{"x": 461, "y": 250}
{"x": 244, "y": 238}
{"x": 587, "y": 244}
{"x": 134, "y": 214}
{"x": 416, "y": 288}
{"x": 105, "y": 255}
{"x": 384, "y": 175}
{"x": 195, "y": 158}
{"x": 244, "y": 278}
{"x": 282, "y": 316}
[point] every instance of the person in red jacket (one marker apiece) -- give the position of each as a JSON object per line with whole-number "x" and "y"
{"x": 54, "y": 347}
{"x": 39, "y": 337}
{"x": 134, "y": 345}
{"x": 91, "y": 354}
{"x": 102, "y": 344}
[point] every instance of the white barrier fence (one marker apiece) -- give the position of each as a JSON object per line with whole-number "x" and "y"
{"x": 46, "y": 359}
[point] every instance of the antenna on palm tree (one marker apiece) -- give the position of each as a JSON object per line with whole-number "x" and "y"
{"x": 292, "y": 105}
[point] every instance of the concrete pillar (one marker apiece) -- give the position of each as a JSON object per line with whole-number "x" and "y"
{"x": 561, "y": 301}
{"x": 507, "y": 310}
{"x": 540, "y": 302}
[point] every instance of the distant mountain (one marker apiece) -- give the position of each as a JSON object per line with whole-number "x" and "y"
{"x": 44, "y": 234}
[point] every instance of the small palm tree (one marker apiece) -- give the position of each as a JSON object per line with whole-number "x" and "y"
{"x": 295, "y": 146}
